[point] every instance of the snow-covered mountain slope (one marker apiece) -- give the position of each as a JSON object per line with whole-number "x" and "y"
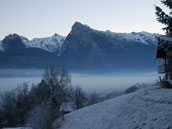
{"x": 141, "y": 37}
{"x": 50, "y": 44}
{"x": 148, "y": 108}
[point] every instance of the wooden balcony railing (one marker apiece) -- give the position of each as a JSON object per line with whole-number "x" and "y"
{"x": 162, "y": 69}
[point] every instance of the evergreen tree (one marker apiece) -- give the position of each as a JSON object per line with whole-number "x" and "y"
{"x": 164, "y": 18}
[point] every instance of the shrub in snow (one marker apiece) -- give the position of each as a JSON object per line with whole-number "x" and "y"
{"x": 138, "y": 86}
{"x": 57, "y": 123}
{"x": 131, "y": 89}
{"x": 40, "y": 117}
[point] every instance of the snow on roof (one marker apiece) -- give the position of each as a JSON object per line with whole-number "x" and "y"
{"x": 147, "y": 108}
{"x": 67, "y": 106}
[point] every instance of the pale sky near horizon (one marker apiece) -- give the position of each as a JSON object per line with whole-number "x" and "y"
{"x": 43, "y": 18}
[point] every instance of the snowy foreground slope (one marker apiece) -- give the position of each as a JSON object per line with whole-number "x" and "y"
{"x": 148, "y": 108}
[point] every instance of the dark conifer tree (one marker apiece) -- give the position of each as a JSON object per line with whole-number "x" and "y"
{"x": 165, "y": 18}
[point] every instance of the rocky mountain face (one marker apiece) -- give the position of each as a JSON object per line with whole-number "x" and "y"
{"x": 85, "y": 49}
{"x": 12, "y": 43}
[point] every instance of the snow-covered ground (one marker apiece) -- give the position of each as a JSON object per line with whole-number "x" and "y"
{"x": 148, "y": 108}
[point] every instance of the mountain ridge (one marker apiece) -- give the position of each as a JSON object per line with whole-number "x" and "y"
{"x": 48, "y": 44}
{"x": 97, "y": 50}
{"x": 85, "y": 48}
{"x": 15, "y": 54}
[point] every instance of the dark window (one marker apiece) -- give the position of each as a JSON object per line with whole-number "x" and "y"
{"x": 170, "y": 60}
{"x": 170, "y": 76}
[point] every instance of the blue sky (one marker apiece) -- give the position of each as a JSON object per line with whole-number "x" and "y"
{"x": 43, "y": 18}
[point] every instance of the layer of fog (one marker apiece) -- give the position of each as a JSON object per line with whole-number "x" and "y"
{"x": 10, "y": 79}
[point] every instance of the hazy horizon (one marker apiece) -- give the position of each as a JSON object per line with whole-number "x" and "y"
{"x": 89, "y": 82}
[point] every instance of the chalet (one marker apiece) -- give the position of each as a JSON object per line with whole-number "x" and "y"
{"x": 164, "y": 51}
{"x": 66, "y": 108}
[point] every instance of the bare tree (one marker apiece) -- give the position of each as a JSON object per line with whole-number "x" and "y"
{"x": 59, "y": 83}
{"x": 79, "y": 97}
{"x": 54, "y": 89}
{"x": 8, "y": 108}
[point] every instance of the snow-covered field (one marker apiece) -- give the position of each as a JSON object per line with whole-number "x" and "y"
{"x": 148, "y": 108}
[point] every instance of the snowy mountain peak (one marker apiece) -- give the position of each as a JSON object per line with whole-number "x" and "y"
{"x": 54, "y": 43}
{"x": 50, "y": 44}
{"x": 141, "y": 37}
